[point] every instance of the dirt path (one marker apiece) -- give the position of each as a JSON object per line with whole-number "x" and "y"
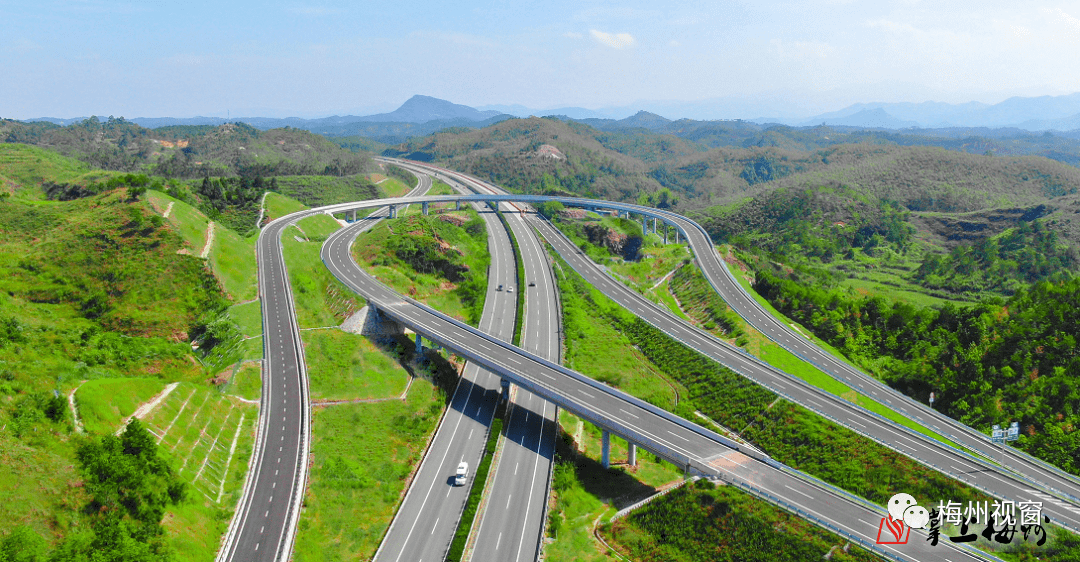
{"x": 209, "y": 240}
{"x": 664, "y": 278}
{"x": 262, "y": 210}
{"x": 74, "y": 411}
{"x": 168, "y": 210}
{"x": 143, "y": 410}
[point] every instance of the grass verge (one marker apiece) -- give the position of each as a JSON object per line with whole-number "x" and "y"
{"x": 519, "y": 319}
{"x": 344, "y": 366}
{"x": 363, "y": 456}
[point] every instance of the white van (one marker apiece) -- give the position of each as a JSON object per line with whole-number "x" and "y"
{"x": 462, "y": 474}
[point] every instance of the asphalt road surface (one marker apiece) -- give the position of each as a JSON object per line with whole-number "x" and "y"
{"x": 264, "y": 525}
{"x": 425, "y": 523}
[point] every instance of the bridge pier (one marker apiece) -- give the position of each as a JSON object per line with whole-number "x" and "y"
{"x": 665, "y": 233}
{"x": 677, "y": 236}
{"x": 424, "y": 207}
{"x": 606, "y": 444}
{"x": 419, "y": 345}
{"x": 644, "y": 225}
{"x": 393, "y": 211}
{"x": 351, "y": 216}
{"x": 457, "y": 206}
{"x": 505, "y": 384}
{"x": 631, "y": 454}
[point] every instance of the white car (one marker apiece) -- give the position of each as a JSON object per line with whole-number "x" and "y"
{"x": 509, "y": 289}
{"x": 462, "y": 474}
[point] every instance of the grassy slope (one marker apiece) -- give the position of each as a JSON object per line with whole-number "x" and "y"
{"x": 362, "y": 454}
{"x": 701, "y": 523}
{"x": 200, "y": 434}
{"x": 344, "y": 366}
{"x": 316, "y": 191}
{"x": 321, "y": 300}
{"x": 55, "y": 258}
{"x": 188, "y": 221}
{"x": 278, "y": 205}
{"x": 104, "y": 403}
{"x": 26, "y": 167}
{"x": 432, "y": 289}
{"x": 147, "y": 290}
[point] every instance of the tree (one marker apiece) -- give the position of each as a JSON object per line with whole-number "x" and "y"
{"x": 130, "y": 486}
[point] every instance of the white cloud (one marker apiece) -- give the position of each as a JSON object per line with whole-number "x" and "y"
{"x": 615, "y": 41}
{"x": 1071, "y": 22}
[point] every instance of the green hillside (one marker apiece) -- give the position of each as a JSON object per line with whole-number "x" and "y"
{"x": 190, "y": 152}
{"x": 101, "y": 299}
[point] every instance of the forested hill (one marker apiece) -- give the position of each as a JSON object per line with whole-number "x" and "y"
{"x": 529, "y": 155}
{"x": 190, "y": 151}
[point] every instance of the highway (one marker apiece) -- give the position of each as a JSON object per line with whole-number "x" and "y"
{"x": 962, "y": 466}
{"x": 427, "y": 519}
{"x": 673, "y": 438}
{"x": 716, "y": 271}
{"x": 589, "y": 398}
{"x": 264, "y": 523}
{"x": 512, "y": 523}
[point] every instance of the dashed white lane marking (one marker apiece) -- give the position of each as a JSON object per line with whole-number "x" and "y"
{"x": 798, "y": 492}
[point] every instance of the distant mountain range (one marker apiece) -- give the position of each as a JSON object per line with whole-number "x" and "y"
{"x": 1060, "y": 113}
{"x": 422, "y": 115}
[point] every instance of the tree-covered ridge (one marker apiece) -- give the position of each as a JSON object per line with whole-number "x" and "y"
{"x": 1024, "y": 255}
{"x": 995, "y": 362}
{"x": 821, "y": 222}
{"x": 188, "y": 152}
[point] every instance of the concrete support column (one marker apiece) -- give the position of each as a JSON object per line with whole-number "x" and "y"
{"x": 631, "y": 454}
{"x": 353, "y": 216}
{"x": 606, "y": 458}
{"x": 665, "y": 233}
{"x": 457, "y": 207}
{"x": 393, "y": 211}
{"x": 505, "y": 388}
{"x": 654, "y": 222}
{"x": 424, "y": 207}
{"x": 644, "y": 226}
{"x": 677, "y": 236}
{"x": 419, "y": 345}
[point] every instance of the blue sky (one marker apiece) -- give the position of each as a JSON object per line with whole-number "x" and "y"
{"x": 156, "y": 58}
